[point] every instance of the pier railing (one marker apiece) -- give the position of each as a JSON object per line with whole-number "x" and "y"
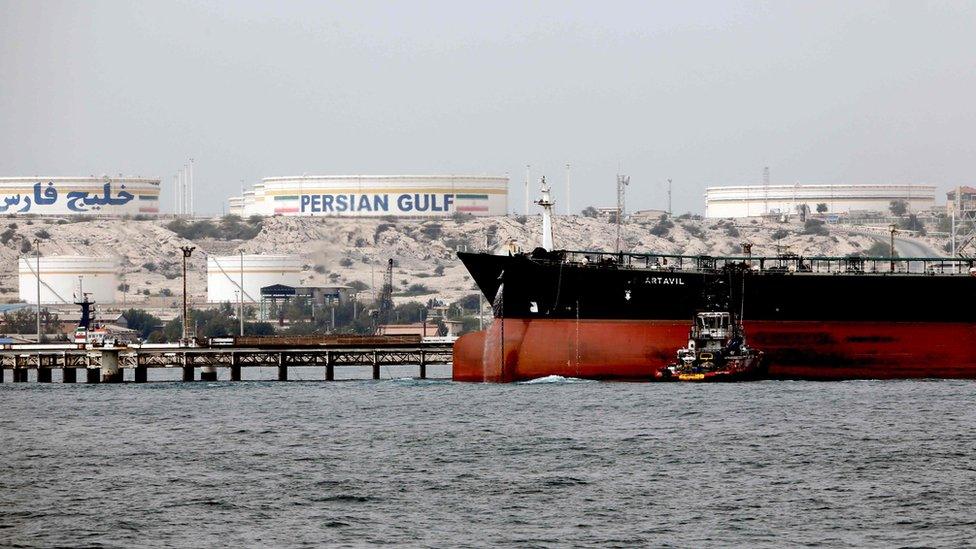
{"x": 782, "y": 263}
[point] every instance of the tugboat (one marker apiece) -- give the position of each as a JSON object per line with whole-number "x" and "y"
{"x": 717, "y": 349}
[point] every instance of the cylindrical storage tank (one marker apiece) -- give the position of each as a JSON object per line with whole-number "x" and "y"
{"x": 91, "y": 195}
{"x": 64, "y": 279}
{"x": 224, "y": 275}
{"x": 760, "y": 200}
{"x": 378, "y": 196}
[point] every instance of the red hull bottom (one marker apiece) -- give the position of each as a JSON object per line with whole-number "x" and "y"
{"x": 633, "y": 350}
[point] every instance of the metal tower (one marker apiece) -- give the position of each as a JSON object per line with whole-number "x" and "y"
{"x": 386, "y": 298}
{"x": 622, "y": 182}
{"x": 963, "y": 243}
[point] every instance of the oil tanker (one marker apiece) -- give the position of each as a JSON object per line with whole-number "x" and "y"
{"x": 620, "y": 316}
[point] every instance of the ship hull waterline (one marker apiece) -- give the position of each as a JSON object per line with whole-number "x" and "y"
{"x": 632, "y": 350}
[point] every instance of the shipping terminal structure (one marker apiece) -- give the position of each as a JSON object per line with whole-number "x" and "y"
{"x": 620, "y": 316}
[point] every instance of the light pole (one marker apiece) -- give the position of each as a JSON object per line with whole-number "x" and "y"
{"x": 669, "y": 198}
{"x": 891, "y": 251}
{"x": 187, "y": 251}
{"x": 37, "y": 271}
{"x": 240, "y": 304}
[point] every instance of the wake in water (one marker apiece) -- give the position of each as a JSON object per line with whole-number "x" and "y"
{"x": 555, "y": 379}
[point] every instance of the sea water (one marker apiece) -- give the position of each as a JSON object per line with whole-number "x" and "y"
{"x": 557, "y": 462}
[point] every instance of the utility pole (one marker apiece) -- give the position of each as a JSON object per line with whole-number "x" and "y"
{"x": 670, "y": 214}
{"x": 37, "y": 271}
{"x": 240, "y": 305}
{"x": 891, "y": 251}
{"x": 187, "y": 251}
{"x": 191, "y": 187}
{"x": 569, "y": 210}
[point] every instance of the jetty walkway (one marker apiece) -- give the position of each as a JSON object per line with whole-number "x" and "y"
{"x": 106, "y": 364}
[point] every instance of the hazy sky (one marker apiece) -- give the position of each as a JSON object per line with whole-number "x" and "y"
{"x": 706, "y": 93}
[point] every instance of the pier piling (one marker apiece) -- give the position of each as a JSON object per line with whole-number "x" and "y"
{"x": 92, "y": 375}
{"x": 111, "y": 373}
{"x": 376, "y": 365}
{"x": 329, "y": 367}
{"x": 141, "y": 374}
{"x": 208, "y": 373}
{"x": 235, "y": 367}
{"x": 45, "y": 363}
{"x": 20, "y": 368}
{"x": 187, "y": 368}
{"x": 282, "y": 368}
{"x": 69, "y": 375}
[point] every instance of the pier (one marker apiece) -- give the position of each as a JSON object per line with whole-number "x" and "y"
{"x": 107, "y": 364}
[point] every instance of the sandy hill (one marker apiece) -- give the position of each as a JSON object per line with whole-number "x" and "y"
{"x": 342, "y": 251}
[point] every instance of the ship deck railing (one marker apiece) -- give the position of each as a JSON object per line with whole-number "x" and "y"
{"x": 773, "y": 264}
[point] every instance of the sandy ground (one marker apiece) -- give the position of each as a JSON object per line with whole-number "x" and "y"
{"x": 348, "y": 250}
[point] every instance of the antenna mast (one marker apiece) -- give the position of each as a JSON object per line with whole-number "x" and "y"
{"x": 622, "y": 182}
{"x": 547, "y": 205}
{"x": 383, "y": 316}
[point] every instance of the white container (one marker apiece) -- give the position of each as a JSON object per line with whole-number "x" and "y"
{"x": 224, "y": 275}
{"x": 64, "y": 278}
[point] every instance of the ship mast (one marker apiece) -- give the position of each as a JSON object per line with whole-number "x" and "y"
{"x": 547, "y": 204}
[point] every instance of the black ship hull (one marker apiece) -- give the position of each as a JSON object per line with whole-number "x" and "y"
{"x": 612, "y": 319}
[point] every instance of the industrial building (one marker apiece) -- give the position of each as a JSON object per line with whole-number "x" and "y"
{"x": 760, "y": 200}
{"x": 65, "y": 278}
{"x": 277, "y": 297}
{"x": 225, "y": 274}
{"x": 963, "y": 205}
{"x": 79, "y": 195}
{"x": 375, "y": 196}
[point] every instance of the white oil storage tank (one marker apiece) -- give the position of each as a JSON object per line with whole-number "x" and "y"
{"x": 224, "y": 275}
{"x": 64, "y": 278}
